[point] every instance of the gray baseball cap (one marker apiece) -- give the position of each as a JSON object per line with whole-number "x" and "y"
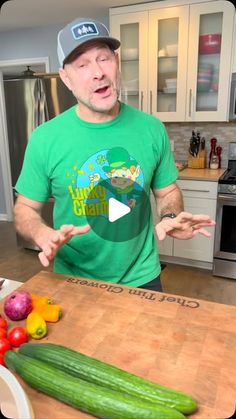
{"x": 79, "y": 32}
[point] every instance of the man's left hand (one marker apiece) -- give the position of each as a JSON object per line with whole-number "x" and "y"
{"x": 184, "y": 226}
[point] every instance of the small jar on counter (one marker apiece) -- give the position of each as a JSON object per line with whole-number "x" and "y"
{"x": 214, "y": 162}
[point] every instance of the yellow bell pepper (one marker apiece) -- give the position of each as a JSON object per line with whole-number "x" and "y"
{"x": 36, "y": 325}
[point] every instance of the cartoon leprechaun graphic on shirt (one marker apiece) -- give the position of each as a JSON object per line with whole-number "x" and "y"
{"x": 108, "y": 173}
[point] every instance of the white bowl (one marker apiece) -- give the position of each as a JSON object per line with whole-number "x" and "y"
{"x": 162, "y": 52}
{"x": 128, "y": 54}
{"x": 131, "y": 85}
{"x": 171, "y": 83}
{"x": 13, "y": 399}
{"x": 172, "y": 50}
{"x": 169, "y": 90}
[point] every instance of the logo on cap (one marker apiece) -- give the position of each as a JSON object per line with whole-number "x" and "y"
{"x": 84, "y": 29}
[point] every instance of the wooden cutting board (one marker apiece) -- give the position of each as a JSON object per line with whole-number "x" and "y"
{"x": 180, "y": 342}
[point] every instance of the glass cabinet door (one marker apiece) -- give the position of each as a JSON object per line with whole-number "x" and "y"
{"x": 209, "y": 49}
{"x": 167, "y": 58}
{"x": 209, "y": 76}
{"x": 129, "y": 63}
{"x": 132, "y": 32}
{"x": 168, "y": 62}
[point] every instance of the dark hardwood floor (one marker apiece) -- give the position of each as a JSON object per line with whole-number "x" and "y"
{"x": 20, "y": 264}
{"x": 15, "y": 262}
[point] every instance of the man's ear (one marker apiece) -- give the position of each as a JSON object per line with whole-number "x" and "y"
{"x": 117, "y": 59}
{"x": 65, "y": 78}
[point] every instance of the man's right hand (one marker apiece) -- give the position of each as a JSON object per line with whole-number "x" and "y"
{"x": 56, "y": 239}
{"x": 29, "y": 223}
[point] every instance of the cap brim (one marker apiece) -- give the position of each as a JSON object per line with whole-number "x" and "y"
{"x": 113, "y": 43}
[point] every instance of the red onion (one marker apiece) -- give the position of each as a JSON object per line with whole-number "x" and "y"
{"x": 18, "y": 305}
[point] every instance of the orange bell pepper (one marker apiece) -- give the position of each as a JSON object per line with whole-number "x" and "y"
{"x": 38, "y": 300}
{"x": 49, "y": 312}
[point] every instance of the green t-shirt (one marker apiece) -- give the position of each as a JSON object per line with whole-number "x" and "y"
{"x": 64, "y": 158}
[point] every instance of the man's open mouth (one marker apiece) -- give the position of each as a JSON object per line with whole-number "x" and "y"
{"x": 102, "y": 90}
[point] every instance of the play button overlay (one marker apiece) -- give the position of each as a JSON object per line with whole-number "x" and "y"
{"x": 117, "y": 209}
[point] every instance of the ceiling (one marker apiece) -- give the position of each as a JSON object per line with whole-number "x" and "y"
{"x": 17, "y": 14}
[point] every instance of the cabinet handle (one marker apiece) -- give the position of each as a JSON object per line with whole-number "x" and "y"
{"x": 194, "y": 190}
{"x": 141, "y": 101}
{"x": 231, "y": 198}
{"x": 150, "y": 102}
{"x": 190, "y": 102}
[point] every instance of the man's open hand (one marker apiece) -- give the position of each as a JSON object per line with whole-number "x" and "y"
{"x": 184, "y": 226}
{"x": 56, "y": 239}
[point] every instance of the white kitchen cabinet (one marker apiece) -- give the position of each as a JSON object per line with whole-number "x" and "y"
{"x": 167, "y": 74}
{"x": 165, "y": 247}
{"x": 132, "y": 30}
{"x": 163, "y": 70}
{"x": 199, "y": 198}
{"x": 234, "y": 47}
{"x": 209, "y": 104}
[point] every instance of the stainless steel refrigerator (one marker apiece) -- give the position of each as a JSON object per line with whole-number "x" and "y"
{"x": 30, "y": 101}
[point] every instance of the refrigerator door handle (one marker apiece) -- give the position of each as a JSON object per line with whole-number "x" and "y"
{"x": 40, "y": 105}
{"x": 36, "y": 104}
{"x": 43, "y": 109}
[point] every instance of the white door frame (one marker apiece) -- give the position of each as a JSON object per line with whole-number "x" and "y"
{"x": 26, "y": 61}
{"x": 4, "y": 150}
{"x": 4, "y": 158}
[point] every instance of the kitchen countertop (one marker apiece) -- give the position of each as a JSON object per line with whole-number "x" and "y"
{"x": 8, "y": 286}
{"x": 201, "y": 174}
{"x": 180, "y": 342}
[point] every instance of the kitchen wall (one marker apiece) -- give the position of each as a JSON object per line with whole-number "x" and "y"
{"x": 225, "y": 132}
{"x": 30, "y": 43}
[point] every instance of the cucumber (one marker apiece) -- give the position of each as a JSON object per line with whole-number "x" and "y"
{"x": 98, "y": 372}
{"x": 88, "y": 397}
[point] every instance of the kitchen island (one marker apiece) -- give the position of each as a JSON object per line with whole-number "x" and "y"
{"x": 180, "y": 342}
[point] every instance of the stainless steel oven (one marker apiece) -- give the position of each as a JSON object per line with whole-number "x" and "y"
{"x": 225, "y": 237}
{"x": 224, "y": 262}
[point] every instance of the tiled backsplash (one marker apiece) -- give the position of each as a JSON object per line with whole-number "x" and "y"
{"x": 180, "y": 132}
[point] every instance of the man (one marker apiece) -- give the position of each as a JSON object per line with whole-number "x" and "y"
{"x": 98, "y": 138}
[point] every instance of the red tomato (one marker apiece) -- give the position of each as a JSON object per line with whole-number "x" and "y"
{"x": 3, "y": 322}
{"x": 5, "y": 345}
{"x": 17, "y": 336}
{"x": 3, "y": 333}
{"x": 2, "y": 360}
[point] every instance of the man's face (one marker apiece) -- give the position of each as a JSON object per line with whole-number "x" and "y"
{"x": 94, "y": 79}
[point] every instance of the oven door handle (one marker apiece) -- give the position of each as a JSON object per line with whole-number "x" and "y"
{"x": 226, "y": 198}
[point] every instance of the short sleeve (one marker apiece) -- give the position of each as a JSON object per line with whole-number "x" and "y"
{"x": 166, "y": 171}
{"x": 34, "y": 182}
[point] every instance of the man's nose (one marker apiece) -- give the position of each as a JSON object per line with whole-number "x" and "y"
{"x": 97, "y": 71}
